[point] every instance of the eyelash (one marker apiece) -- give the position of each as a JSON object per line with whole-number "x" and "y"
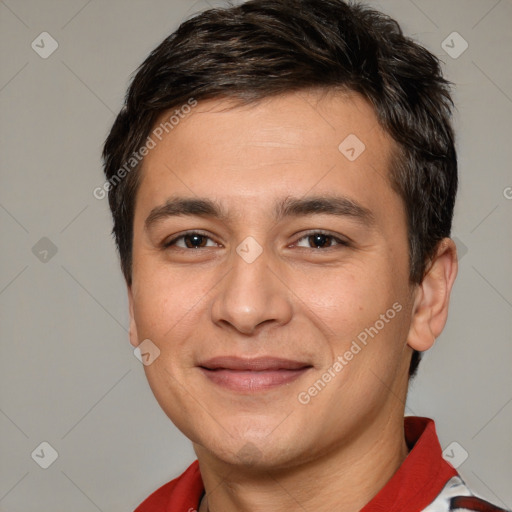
{"x": 339, "y": 241}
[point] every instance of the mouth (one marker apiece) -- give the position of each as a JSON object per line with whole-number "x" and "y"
{"x": 250, "y": 375}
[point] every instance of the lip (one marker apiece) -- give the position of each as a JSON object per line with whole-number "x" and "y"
{"x": 250, "y": 375}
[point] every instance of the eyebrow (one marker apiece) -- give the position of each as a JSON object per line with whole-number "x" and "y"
{"x": 340, "y": 206}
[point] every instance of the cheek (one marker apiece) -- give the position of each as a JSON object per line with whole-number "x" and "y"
{"x": 348, "y": 299}
{"x": 165, "y": 300}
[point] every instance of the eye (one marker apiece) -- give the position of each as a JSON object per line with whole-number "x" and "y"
{"x": 320, "y": 240}
{"x": 191, "y": 240}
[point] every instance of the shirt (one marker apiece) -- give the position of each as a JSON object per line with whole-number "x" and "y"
{"x": 425, "y": 482}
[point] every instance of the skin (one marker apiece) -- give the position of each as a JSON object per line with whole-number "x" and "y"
{"x": 257, "y": 450}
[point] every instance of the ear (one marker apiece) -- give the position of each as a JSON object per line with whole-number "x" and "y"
{"x": 432, "y": 298}
{"x": 134, "y": 337}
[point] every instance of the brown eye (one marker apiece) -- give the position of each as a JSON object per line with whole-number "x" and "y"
{"x": 320, "y": 240}
{"x": 192, "y": 240}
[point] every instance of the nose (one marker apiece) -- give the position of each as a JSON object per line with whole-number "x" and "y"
{"x": 251, "y": 295}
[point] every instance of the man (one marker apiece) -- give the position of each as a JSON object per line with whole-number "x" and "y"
{"x": 282, "y": 180}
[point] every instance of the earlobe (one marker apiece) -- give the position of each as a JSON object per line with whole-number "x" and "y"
{"x": 134, "y": 338}
{"x": 432, "y": 297}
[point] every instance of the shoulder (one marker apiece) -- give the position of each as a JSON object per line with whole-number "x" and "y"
{"x": 182, "y": 493}
{"x": 457, "y": 497}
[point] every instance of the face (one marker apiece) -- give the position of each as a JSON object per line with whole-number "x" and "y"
{"x": 270, "y": 268}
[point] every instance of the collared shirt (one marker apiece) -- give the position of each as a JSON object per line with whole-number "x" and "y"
{"x": 425, "y": 482}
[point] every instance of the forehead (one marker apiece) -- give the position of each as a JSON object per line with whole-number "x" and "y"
{"x": 249, "y": 155}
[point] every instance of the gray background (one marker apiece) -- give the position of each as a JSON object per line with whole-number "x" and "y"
{"x": 68, "y": 375}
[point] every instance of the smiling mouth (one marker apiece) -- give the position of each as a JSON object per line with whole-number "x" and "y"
{"x": 250, "y": 375}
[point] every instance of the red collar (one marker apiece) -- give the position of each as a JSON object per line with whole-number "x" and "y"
{"x": 417, "y": 482}
{"x": 422, "y": 475}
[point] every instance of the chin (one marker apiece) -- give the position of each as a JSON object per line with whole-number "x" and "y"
{"x": 254, "y": 451}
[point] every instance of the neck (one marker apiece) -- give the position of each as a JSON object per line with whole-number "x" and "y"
{"x": 345, "y": 479}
